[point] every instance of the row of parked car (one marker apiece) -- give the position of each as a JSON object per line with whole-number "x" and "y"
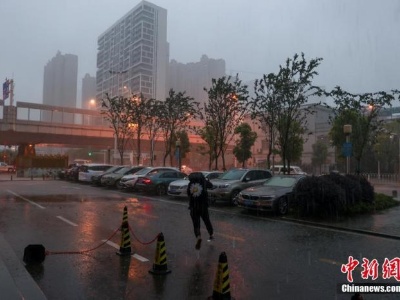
{"x": 253, "y": 189}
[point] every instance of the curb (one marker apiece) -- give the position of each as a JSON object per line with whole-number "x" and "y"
{"x": 339, "y": 228}
{"x": 16, "y": 282}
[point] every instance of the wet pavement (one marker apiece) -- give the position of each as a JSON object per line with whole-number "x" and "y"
{"x": 384, "y": 224}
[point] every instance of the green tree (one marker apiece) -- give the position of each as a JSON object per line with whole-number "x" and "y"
{"x": 293, "y": 87}
{"x": 265, "y": 107}
{"x": 361, "y": 111}
{"x": 319, "y": 155}
{"x": 208, "y": 133}
{"x": 224, "y": 111}
{"x": 175, "y": 115}
{"x": 139, "y": 109}
{"x": 242, "y": 150}
{"x": 115, "y": 110}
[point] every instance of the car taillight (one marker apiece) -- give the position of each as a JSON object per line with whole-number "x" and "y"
{"x": 146, "y": 181}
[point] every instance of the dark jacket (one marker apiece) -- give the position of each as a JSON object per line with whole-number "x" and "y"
{"x": 197, "y": 190}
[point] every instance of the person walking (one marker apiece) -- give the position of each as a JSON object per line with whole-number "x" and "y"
{"x": 198, "y": 205}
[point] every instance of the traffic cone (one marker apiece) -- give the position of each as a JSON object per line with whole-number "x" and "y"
{"x": 160, "y": 261}
{"x": 221, "y": 283}
{"x": 125, "y": 246}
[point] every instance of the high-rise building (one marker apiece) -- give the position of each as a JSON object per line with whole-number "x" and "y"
{"x": 192, "y": 78}
{"x": 60, "y": 86}
{"x": 89, "y": 92}
{"x": 133, "y": 54}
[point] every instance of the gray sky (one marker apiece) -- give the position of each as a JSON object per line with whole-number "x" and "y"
{"x": 359, "y": 40}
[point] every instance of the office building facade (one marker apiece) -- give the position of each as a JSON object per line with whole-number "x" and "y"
{"x": 89, "y": 92}
{"x": 60, "y": 86}
{"x": 133, "y": 54}
{"x": 194, "y": 77}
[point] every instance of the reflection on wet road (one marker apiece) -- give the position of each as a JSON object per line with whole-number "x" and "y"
{"x": 267, "y": 258}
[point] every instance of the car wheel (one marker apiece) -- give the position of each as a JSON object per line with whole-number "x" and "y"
{"x": 282, "y": 206}
{"x": 161, "y": 190}
{"x": 234, "y": 197}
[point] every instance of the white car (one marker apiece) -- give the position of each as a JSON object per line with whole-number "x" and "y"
{"x": 6, "y": 167}
{"x": 178, "y": 188}
{"x": 86, "y": 171}
{"x": 129, "y": 181}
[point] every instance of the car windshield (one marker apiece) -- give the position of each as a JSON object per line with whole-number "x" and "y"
{"x": 280, "y": 181}
{"x": 143, "y": 171}
{"x": 233, "y": 175}
{"x": 122, "y": 170}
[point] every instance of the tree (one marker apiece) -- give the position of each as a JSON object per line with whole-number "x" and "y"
{"x": 319, "y": 155}
{"x": 242, "y": 150}
{"x": 208, "y": 133}
{"x": 293, "y": 86}
{"x": 224, "y": 111}
{"x": 280, "y": 106}
{"x": 361, "y": 111}
{"x": 265, "y": 107}
{"x": 175, "y": 115}
{"x": 115, "y": 111}
{"x": 139, "y": 110}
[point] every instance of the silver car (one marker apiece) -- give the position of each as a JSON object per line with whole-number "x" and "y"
{"x": 231, "y": 183}
{"x": 274, "y": 195}
{"x": 128, "y": 182}
{"x": 178, "y": 188}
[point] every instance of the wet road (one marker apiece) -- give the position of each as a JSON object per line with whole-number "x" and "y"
{"x": 267, "y": 258}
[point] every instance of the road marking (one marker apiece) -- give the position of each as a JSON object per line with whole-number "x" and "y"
{"x": 112, "y": 244}
{"x": 140, "y": 258}
{"x": 67, "y": 221}
{"x": 25, "y": 199}
{"x": 137, "y": 256}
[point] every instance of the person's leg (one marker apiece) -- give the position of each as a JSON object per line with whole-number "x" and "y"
{"x": 206, "y": 219}
{"x": 196, "y": 227}
{"x": 196, "y": 222}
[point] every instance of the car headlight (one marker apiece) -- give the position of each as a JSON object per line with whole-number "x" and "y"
{"x": 183, "y": 187}
{"x": 224, "y": 186}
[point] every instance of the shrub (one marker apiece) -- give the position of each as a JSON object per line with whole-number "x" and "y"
{"x": 333, "y": 195}
{"x": 318, "y": 197}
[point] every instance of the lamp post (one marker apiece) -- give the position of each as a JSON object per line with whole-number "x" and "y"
{"x": 178, "y": 149}
{"x": 347, "y": 131}
{"x": 398, "y": 137}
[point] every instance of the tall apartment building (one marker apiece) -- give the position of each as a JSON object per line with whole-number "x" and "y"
{"x": 88, "y": 92}
{"x": 194, "y": 77}
{"x": 133, "y": 54}
{"x": 60, "y": 86}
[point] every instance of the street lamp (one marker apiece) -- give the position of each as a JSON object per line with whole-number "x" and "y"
{"x": 398, "y": 137}
{"x": 178, "y": 149}
{"x": 347, "y": 131}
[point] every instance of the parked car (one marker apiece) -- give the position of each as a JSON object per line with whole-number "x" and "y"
{"x": 112, "y": 179}
{"x": 228, "y": 186}
{"x": 86, "y": 171}
{"x": 157, "y": 182}
{"x": 128, "y": 182}
{"x": 72, "y": 173}
{"x": 178, "y": 188}
{"x": 280, "y": 169}
{"x": 96, "y": 179}
{"x": 4, "y": 167}
{"x": 275, "y": 194}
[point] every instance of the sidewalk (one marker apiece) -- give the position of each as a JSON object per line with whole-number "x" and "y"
{"x": 15, "y": 281}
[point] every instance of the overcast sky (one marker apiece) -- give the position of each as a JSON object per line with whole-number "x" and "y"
{"x": 359, "y": 40}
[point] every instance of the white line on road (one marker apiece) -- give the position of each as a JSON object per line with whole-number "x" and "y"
{"x": 27, "y": 200}
{"x": 137, "y": 256}
{"x": 67, "y": 221}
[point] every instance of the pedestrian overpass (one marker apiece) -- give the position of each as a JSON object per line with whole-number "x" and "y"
{"x": 31, "y": 123}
